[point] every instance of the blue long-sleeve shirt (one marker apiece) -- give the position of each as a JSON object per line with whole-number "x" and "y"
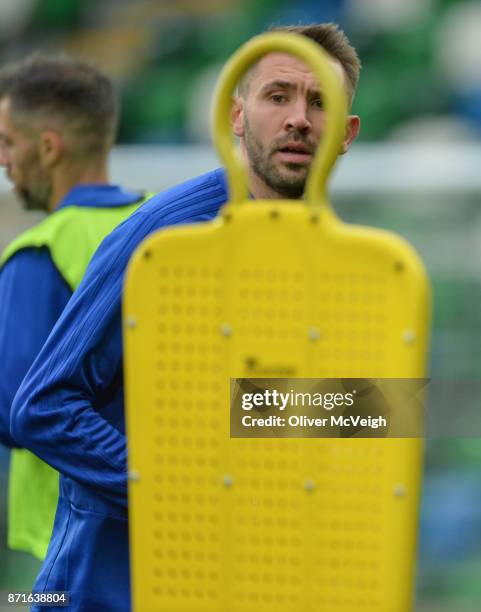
{"x": 70, "y": 408}
{"x": 32, "y": 297}
{"x": 33, "y": 294}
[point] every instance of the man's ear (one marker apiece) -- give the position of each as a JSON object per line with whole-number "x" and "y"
{"x": 237, "y": 116}
{"x": 352, "y": 130}
{"x": 51, "y": 147}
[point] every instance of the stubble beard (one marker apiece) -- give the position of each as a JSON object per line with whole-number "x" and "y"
{"x": 35, "y": 196}
{"x": 33, "y": 201}
{"x": 290, "y": 185}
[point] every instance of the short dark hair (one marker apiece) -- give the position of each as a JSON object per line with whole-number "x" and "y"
{"x": 65, "y": 89}
{"x": 334, "y": 41}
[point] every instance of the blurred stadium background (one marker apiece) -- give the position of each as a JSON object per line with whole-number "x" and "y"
{"x": 415, "y": 170}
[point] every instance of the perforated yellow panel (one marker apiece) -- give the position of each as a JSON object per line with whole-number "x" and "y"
{"x": 268, "y": 525}
{"x": 227, "y": 524}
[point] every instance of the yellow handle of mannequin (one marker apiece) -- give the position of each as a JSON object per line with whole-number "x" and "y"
{"x": 334, "y": 100}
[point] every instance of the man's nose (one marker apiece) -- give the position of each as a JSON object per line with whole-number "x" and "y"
{"x": 297, "y": 117}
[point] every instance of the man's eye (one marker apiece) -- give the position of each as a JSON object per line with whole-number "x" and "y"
{"x": 278, "y": 98}
{"x": 317, "y": 102}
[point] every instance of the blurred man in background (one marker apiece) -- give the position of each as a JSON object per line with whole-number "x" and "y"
{"x": 70, "y": 409}
{"x": 58, "y": 120}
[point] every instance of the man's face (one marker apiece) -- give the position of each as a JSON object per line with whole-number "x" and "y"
{"x": 280, "y": 121}
{"x": 19, "y": 156}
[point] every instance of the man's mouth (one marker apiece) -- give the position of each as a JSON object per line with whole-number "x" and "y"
{"x": 295, "y": 152}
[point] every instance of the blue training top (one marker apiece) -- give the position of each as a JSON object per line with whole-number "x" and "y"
{"x": 33, "y": 294}
{"x": 70, "y": 410}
